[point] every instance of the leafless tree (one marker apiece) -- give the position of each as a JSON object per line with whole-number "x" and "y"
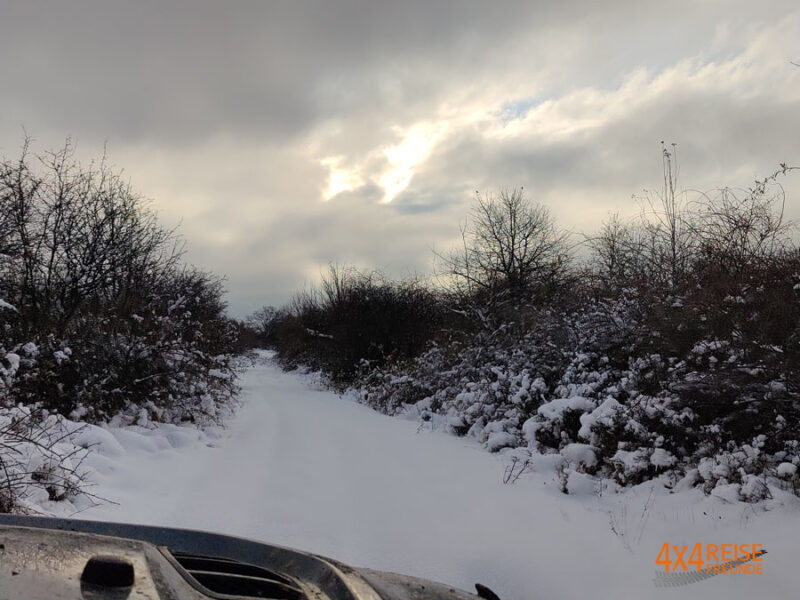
{"x": 510, "y": 247}
{"x": 70, "y": 236}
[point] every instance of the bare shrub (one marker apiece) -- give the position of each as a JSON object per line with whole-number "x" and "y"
{"x": 38, "y": 462}
{"x": 355, "y": 318}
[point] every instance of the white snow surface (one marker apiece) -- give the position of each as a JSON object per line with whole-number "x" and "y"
{"x": 305, "y": 468}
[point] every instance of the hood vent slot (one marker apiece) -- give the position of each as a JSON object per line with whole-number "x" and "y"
{"x": 223, "y": 578}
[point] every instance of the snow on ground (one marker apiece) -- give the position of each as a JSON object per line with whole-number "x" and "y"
{"x": 305, "y": 468}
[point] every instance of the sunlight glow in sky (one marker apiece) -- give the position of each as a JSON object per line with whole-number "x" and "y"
{"x": 414, "y": 148}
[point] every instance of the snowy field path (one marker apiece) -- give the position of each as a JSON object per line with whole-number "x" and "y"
{"x": 307, "y": 469}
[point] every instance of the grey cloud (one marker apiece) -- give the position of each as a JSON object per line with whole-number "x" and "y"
{"x": 369, "y": 193}
{"x": 431, "y": 199}
{"x": 184, "y": 71}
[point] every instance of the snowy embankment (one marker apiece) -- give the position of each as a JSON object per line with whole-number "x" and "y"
{"x": 305, "y": 468}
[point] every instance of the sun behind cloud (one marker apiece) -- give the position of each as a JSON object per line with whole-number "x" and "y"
{"x": 417, "y": 143}
{"x": 399, "y": 162}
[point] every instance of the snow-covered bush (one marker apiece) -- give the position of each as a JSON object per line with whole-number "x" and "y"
{"x": 162, "y": 361}
{"x": 628, "y": 388}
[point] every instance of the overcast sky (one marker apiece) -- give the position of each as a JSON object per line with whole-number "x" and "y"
{"x": 284, "y": 136}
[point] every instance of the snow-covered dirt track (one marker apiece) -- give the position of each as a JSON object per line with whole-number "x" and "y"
{"x": 305, "y": 468}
